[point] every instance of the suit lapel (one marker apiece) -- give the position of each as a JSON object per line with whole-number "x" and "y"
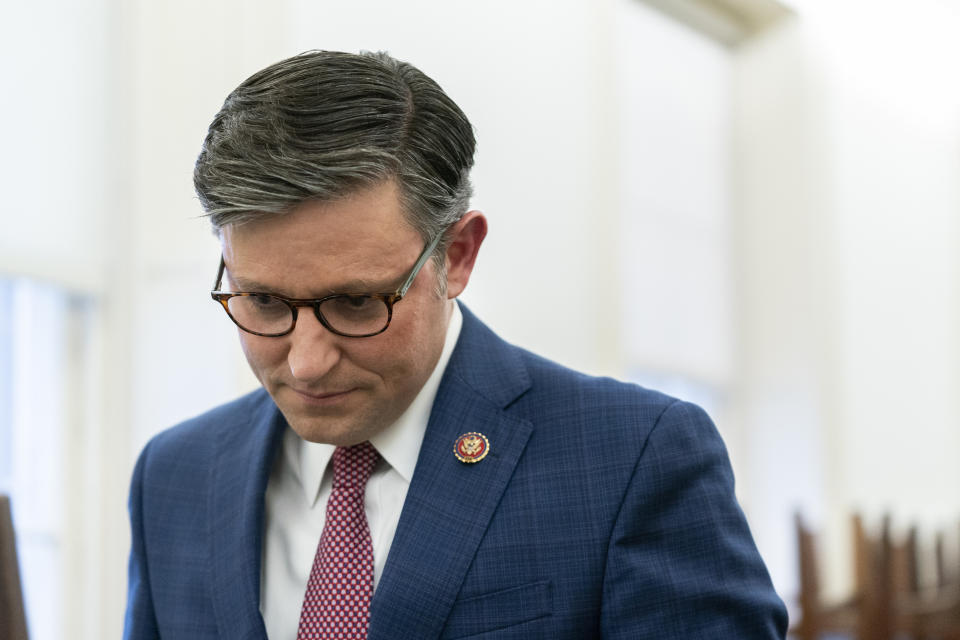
{"x": 450, "y": 504}
{"x": 241, "y": 470}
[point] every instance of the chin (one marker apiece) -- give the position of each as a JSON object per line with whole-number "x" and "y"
{"x": 340, "y": 433}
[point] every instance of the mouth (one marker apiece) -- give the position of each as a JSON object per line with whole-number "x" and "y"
{"x": 323, "y": 399}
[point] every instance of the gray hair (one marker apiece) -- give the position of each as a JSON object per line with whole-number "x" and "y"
{"x": 324, "y": 124}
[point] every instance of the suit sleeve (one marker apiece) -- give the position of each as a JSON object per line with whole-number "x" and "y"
{"x": 682, "y": 562}
{"x": 140, "y": 621}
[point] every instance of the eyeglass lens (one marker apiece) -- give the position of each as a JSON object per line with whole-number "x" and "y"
{"x": 347, "y": 314}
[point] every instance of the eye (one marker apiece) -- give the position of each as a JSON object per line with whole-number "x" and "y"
{"x": 351, "y": 304}
{"x": 354, "y": 308}
{"x": 355, "y": 302}
{"x": 265, "y": 304}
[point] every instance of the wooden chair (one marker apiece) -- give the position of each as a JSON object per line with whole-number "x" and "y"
{"x": 13, "y": 622}
{"x": 943, "y": 578}
{"x": 901, "y": 592}
{"x": 858, "y": 616}
{"x": 934, "y": 613}
{"x": 888, "y": 600}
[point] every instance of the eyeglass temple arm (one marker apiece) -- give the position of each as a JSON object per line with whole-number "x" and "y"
{"x": 427, "y": 252}
{"x": 216, "y": 284}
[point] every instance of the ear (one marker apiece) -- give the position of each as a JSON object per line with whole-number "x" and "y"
{"x": 466, "y": 236}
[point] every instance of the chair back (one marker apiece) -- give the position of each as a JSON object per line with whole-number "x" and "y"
{"x": 13, "y": 620}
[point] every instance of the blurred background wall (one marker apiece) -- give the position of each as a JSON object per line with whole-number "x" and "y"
{"x": 762, "y": 216}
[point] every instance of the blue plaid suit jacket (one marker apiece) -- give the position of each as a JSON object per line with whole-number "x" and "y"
{"x": 602, "y": 510}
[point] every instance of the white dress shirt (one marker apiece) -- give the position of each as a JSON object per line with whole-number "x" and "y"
{"x": 296, "y": 501}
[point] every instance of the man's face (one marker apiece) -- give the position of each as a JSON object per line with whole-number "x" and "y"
{"x": 332, "y": 388}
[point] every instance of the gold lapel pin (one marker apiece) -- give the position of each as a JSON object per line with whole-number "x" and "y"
{"x": 471, "y": 447}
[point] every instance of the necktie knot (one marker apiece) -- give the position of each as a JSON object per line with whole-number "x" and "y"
{"x": 353, "y": 465}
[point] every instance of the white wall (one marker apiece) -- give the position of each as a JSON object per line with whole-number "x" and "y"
{"x": 896, "y": 116}
{"x": 783, "y": 253}
{"x": 848, "y": 191}
{"x": 674, "y": 212}
{"x": 51, "y": 56}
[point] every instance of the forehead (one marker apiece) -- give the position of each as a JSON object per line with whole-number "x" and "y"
{"x": 323, "y": 246}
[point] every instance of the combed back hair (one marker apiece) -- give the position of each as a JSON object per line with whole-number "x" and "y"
{"x": 322, "y": 125}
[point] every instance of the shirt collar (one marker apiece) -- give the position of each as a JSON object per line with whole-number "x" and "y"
{"x": 398, "y": 444}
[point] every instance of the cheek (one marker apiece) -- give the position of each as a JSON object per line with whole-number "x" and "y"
{"x": 396, "y": 355}
{"x": 262, "y": 353}
{"x": 416, "y": 346}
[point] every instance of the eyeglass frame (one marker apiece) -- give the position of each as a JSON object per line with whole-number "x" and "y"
{"x": 389, "y": 299}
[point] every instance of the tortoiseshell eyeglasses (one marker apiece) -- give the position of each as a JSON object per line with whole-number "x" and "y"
{"x": 354, "y": 315}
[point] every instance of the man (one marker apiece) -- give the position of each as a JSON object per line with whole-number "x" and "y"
{"x": 404, "y": 473}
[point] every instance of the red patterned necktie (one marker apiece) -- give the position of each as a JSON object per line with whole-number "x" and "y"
{"x": 337, "y": 602}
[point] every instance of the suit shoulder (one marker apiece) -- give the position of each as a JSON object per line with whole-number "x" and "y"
{"x": 554, "y": 396}
{"x": 554, "y": 382}
{"x": 609, "y": 413}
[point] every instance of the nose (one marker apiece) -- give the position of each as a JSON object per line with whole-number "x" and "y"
{"x": 314, "y": 350}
